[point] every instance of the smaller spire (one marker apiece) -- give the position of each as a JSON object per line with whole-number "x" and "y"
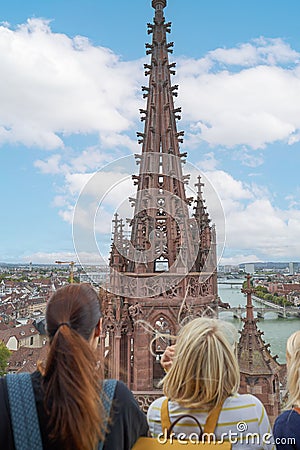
{"x": 115, "y": 221}
{"x": 200, "y": 213}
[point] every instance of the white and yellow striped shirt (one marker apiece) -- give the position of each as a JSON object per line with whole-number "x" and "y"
{"x": 243, "y": 421}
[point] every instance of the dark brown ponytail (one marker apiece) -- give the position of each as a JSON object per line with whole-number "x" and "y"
{"x": 71, "y": 378}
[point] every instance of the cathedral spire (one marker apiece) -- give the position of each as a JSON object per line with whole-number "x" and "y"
{"x": 161, "y": 216}
{"x": 169, "y": 260}
{"x": 164, "y": 236}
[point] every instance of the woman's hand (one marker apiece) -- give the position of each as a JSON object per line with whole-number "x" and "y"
{"x": 167, "y": 358}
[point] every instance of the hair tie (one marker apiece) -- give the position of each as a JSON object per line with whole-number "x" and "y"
{"x": 63, "y": 323}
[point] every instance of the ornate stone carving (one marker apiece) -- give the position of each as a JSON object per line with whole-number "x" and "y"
{"x": 145, "y": 399}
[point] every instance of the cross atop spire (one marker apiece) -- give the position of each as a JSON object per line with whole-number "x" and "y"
{"x": 249, "y": 307}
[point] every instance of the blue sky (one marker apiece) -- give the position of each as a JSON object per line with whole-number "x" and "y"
{"x": 69, "y": 97}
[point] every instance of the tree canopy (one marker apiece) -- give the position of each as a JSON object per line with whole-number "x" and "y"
{"x": 4, "y": 357}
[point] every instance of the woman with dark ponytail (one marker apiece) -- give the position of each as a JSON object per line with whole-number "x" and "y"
{"x": 68, "y": 388}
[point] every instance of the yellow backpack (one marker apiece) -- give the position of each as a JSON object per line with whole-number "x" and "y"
{"x": 205, "y": 438}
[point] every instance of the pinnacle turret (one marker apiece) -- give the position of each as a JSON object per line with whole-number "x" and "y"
{"x": 260, "y": 372}
{"x": 252, "y": 352}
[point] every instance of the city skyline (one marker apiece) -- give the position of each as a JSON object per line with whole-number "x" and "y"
{"x": 70, "y": 94}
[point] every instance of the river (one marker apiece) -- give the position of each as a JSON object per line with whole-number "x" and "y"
{"x": 276, "y": 330}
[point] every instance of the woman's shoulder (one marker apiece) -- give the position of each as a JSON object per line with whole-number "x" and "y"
{"x": 243, "y": 399}
{"x": 128, "y": 422}
{"x": 287, "y": 425}
{"x": 287, "y": 417}
{"x": 156, "y": 404}
{"x": 124, "y": 401}
{"x": 121, "y": 390}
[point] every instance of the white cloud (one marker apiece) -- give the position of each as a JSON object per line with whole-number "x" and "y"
{"x": 59, "y": 201}
{"x": 102, "y": 184}
{"x": 51, "y": 166}
{"x": 90, "y": 159}
{"x": 253, "y": 224}
{"x": 228, "y": 187}
{"x": 209, "y": 162}
{"x": 260, "y": 51}
{"x": 52, "y": 86}
{"x": 51, "y": 257}
{"x": 248, "y": 158}
{"x": 239, "y": 259}
{"x": 245, "y": 95}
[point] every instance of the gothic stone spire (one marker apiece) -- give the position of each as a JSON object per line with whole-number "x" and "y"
{"x": 259, "y": 370}
{"x": 161, "y": 218}
{"x": 160, "y": 267}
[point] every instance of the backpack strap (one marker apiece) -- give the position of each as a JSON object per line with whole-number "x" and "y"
{"x": 165, "y": 416}
{"x": 210, "y": 424}
{"x": 107, "y": 396}
{"x": 212, "y": 419}
{"x": 24, "y": 418}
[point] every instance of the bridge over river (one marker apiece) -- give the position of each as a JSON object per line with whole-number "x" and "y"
{"x": 240, "y": 311}
{"x": 281, "y": 311}
{"x": 231, "y": 282}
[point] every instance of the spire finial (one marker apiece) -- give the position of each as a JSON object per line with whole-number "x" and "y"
{"x": 249, "y": 308}
{"x": 199, "y": 186}
{"x": 159, "y": 4}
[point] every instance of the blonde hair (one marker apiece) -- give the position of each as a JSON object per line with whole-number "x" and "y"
{"x": 293, "y": 369}
{"x": 205, "y": 370}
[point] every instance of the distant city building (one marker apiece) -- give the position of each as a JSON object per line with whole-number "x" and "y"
{"x": 229, "y": 268}
{"x": 21, "y": 336}
{"x": 250, "y": 268}
{"x": 98, "y": 278}
{"x": 292, "y": 268}
{"x": 283, "y": 288}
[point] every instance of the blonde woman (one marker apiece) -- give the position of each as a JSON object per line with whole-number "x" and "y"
{"x": 287, "y": 425}
{"x": 202, "y": 372}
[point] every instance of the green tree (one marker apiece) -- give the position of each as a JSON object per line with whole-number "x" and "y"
{"x": 4, "y": 357}
{"x": 262, "y": 289}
